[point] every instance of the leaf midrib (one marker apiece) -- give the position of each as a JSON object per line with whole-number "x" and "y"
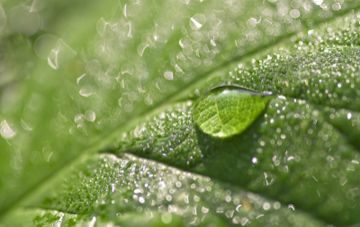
{"x": 104, "y": 141}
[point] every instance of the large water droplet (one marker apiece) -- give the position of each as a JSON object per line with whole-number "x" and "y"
{"x": 229, "y": 110}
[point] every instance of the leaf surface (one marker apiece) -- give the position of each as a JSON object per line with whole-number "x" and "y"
{"x": 128, "y": 85}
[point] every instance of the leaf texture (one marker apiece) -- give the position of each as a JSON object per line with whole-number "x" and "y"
{"x": 130, "y": 87}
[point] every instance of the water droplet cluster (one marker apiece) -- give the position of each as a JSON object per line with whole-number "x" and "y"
{"x": 197, "y": 37}
{"x": 109, "y": 187}
{"x": 165, "y": 137}
{"x": 285, "y": 145}
{"x": 321, "y": 68}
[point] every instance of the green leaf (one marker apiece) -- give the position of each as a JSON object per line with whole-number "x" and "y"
{"x": 123, "y": 77}
{"x": 303, "y": 146}
{"x": 228, "y": 110}
{"x": 119, "y": 190}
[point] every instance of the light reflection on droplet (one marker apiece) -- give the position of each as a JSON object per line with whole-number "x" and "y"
{"x": 125, "y": 11}
{"x": 141, "y": 49}
{"x": 113, "y": 187}
{"x": 291, "y": 207}
{"x": 59, "y": 222}
{"x": 60, "y": 54}
{"x": 204, "y": 210}
{"x": 253, "y": 21}
{"x": 86, "y": 91}
{"x": 53, "y": 59}
{"x": 6, "y": 131}
{"x": 318, "y": 2}
{"x": 80, "y": 78}
{"x": 195, "y": 24}
{"x": 349, "y": 116}
{"x": 254, "y": 160}
{"x": 92, "y": 222}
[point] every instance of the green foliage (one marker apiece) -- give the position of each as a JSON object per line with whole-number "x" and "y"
{"x": 101, "y": 103}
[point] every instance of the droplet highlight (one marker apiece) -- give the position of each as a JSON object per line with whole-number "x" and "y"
{"x": 6, "y": 131}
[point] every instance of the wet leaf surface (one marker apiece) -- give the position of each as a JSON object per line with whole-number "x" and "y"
{"x": 83, "y": 81}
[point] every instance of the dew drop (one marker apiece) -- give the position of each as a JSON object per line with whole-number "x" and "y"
{"x": 266, "y": 206}
{"x": 86, "y": 91}
{"x": 44, "y": 44}
{"x": 169, "y": 75}
{"x": 277, "y": 205}
{"x": 141, "y": 200}
{"x": 90, "y": 116}
{"x": 228, "y": 110}
{"x": 79, "y": 120}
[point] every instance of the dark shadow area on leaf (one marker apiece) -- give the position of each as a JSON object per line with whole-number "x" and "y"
{"x": 288, "y": 160}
